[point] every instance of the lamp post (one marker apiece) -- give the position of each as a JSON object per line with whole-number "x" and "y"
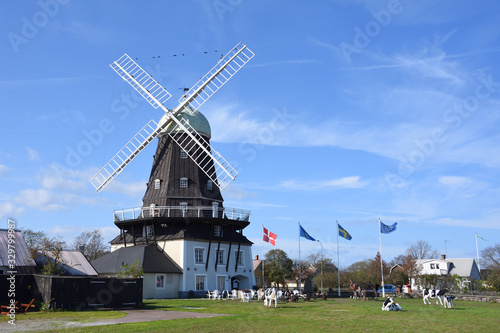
{"x": 321, "y": 265}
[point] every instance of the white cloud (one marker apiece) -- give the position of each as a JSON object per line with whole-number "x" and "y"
{"x": 8, "y": 209}
{"x": 4, "y": 171}
{"x": 42, "y": 199}
{"x": 132, "y": 188}
{"x": 318, "y": 185}
{"x": 56, "y": 177}
{"x": 32, "y": 154}
{"x": 454, "y": 180}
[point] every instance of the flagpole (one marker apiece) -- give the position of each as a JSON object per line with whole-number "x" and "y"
{"x": 300, "y": 268}
{"x": 477, "y": 254}
{"x": 338, "y": 257}
{"x": 262, "y": 259}
{"x": 381, "y": 264}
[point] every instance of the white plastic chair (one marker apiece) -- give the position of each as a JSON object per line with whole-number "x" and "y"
{"x": 215, "y": 294}
{"x": 234, "y": 294}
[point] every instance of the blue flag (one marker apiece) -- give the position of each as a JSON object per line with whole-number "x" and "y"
{"x": 344, "y": 233}
{"x": 304, "y": 234}
{"x": 387, "y": 229}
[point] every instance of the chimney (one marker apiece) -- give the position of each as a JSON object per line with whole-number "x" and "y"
{"x": 257, "y": 257}
{"x": 443, "y": 257}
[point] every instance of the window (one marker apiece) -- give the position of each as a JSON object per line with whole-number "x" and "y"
{"x": 432, "y": 266}
{"x": 220, "y": 257}
{"x": 218, "y": 231}
{"x": 209, "y": 185}
{"x": 215, "y": 210}
{"x": 157, "y": 184}
{"x": 147, "y": 231}
{"x": 221, "y": 283}
{"x": 160, "y": 281}
{"x": 239, "y": 258}
{"x": 257, "y": 280}
{"x": 199, "y": 255}
{"x": 200, "y": 282}
{"x": 184, "y": 182}
{"x": 437, "y": 266}
{"x": 184, "y": 154}
{"x": 183, "y": 207}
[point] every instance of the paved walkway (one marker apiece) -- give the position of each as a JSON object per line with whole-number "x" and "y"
{"x": 132, "y": 316}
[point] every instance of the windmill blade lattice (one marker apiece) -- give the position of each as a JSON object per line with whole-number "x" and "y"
{"x": 221, "y": 172}
{"x": 197, "y": 148}
{"x": 116, "y": 165}
{"x": 141, "y": 81}
{"x": 231, "y": 63}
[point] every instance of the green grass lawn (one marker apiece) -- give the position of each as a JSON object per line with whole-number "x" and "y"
{"x": 333, "y": 315}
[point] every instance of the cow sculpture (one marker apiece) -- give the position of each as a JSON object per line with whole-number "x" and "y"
{"x": 448, "y": 301}
{"x": 270, "y": 295}
{"x": 389, "y": 305}
{"x": 437, "y": 294}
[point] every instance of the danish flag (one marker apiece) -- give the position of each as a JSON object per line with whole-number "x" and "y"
{"x": 268, "y": 236}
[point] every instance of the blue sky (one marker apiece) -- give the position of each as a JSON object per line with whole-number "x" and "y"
{"x": 350, "y": 111}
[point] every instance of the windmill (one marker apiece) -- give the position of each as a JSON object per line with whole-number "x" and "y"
{"x": 218, "y": 170}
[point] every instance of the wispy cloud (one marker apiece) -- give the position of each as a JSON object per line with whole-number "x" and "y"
{"x": 319, "y": 185}
{"x": 9, "y": 209}
{"x": 4, "y": 171}
{"x": 32, "y": 154}
{"x": 285, "y": 62}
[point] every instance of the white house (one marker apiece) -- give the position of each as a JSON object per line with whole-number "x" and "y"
{"x": 465, "y": 268}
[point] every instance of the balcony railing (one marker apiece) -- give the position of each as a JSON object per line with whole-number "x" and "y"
{"x": 182, "y": 211}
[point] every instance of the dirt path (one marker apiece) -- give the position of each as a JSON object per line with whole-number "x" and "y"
{"x": 132, "y": 316}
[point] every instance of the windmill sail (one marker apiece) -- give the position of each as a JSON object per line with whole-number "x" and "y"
{"x": 221, "y": 173}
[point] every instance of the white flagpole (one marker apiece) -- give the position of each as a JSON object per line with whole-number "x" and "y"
{"x": 381, "y": 264}
{"x": 300, "y": 267}
{"x": 477, "y": 254}
{"x": 338, "y": 257}
{"x": 262, "y": 259}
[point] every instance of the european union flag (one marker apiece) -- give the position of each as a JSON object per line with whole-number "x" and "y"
{"x": 344, "y": 233}
{"x": 387, "y": 229}
{"x": 304, "y": 234}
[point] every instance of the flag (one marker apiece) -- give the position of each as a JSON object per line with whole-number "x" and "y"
{"x": 304, "y": 234}
{"x": 481, "y": 237}
{"x": 387, "y": 229}
{"x": 344, "y": 233}
{"x": 268, "y": 236}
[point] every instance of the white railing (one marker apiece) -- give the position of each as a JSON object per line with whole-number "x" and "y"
{"x": 182, "y": 211}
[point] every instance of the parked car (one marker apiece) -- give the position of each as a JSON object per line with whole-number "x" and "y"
{"x": 389, "y": 288}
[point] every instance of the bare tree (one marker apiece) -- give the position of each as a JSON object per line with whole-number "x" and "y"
{"x": 491, "y": 257}
{"x": 422, "y": 250}
{"x": 92, "y": 244}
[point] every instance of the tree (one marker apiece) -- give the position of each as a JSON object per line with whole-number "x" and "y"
{"x": 490, "y": 257}
{"x": 278, "y": 266}
{"x": 422, "y": 250}
{"x": 134, "y": 270}
{"x": 45, "y": 250}
{"x": 91, "y": 244}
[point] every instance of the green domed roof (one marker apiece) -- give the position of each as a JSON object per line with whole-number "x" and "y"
{"x": 195, "y": 118}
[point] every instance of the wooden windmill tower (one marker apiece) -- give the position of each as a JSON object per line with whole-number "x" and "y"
{"x": 182, "y": 210}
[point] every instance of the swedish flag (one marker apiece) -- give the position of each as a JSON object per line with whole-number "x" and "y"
{"x": 344, "y": 233}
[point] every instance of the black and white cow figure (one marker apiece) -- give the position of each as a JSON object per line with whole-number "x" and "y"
{"x": 448, "y": 301}
{"x": 434, "y": 293}
{"x": 389, "y": 305}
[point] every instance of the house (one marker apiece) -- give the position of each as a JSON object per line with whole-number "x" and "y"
{"x": 258, "y": 266}
{"x": 161, "y": 278}
{"x": 306, "y": 280}
{"x": 183, "y": 214}
{"x": 465, "y": 268}
{"x": 23, "y": 262}
{"x": 72, "y": 263}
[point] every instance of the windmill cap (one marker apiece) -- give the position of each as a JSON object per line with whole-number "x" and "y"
{"x": 195, "y": 118}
